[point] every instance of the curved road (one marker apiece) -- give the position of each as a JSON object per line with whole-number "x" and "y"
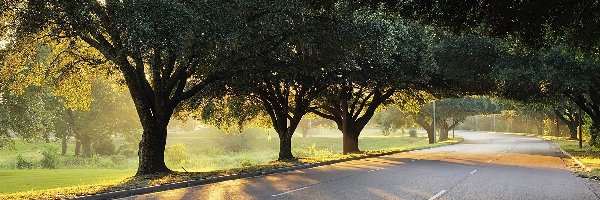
{"x": 484, "y": 166}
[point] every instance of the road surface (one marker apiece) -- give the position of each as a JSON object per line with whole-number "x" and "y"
{"x": 484, "y": 166}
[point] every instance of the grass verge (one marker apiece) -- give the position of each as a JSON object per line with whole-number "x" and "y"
{"x": 145, "y": 181}
{"x": 589, "y": 156}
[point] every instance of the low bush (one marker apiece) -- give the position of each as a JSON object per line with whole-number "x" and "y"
{"x": 104, "y": 147}
{"x": 51, "y": 158}
{"x": 127, "y": 150}
{"x": 412, "y": 133}
{"x": 22, "y": 163}
{"x": 175, "y": 154}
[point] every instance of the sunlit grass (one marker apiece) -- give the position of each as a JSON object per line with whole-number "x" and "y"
{"x": 104, "y": 180}
{"x": 588, "y": 155}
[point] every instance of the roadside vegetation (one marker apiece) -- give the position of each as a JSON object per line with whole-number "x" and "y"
{"x": 230, "y": 154}
{"x": 588, "y": 155}
{"x": 99, "y": 84}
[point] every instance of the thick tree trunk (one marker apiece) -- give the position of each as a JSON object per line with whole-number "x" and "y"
{"x": 350, "y": 143}
{"x": 572, "y": 131}
{"x": 350, "y": 132}
{"x": 86, "y": 146}
{"x": 444, "y": 130}
{"x": 443, "y": 134}
{"x": 430, "y": 135}
{"x": 152, "y": 151}
{"x": 63, "y": 149}
{"x": 285, "y": 146}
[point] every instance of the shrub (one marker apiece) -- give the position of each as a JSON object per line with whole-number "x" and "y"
{"x": 247, "y": 163}
{"x": 104, "y": 147}
{"x": 51, "y": 158}
{"x": 412, "y": 133}
{"x": 234, "y": 142}
{"x": 127, "y": 150}
{"x": 175, "y": 154}
{"x": 22, "y": 163}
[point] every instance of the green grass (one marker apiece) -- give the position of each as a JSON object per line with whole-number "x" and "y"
{"x": 37, "y": 179}
{"x": 210, "y": 153}
{"x": 588, "y": 155}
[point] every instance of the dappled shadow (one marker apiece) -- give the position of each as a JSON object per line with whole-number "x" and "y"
{"x": 415, "y": 175}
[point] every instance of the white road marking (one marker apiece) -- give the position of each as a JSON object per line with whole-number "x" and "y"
{"x": 437, "y": 195}
{"x": 302, "y": 188}
{"x": 473, "y": 172}
{"x": 489, "y": 161}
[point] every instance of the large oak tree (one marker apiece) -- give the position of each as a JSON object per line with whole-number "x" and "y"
{"x": 166, "y": 51}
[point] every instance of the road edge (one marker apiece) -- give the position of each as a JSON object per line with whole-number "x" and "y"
{"x": 253, "y": 174}
{"x": 573, "y": 158}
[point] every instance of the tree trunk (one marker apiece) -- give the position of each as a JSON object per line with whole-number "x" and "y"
{"x": 573, "y": 132}
{"x": 443, "y": 134}
{"x": 595, "y": 132}
{"x": 77, "y": 147}
{"x": 444, "y": 130}
{"x": 63, "y": 149}
{"x": 152, "y": 151}
{"x": 350, "y": 143}
{"x": 285, "y": 146}
{"x": 86, "y": 146}
{"x": 430, "y": 135}
{"x": 304, "y": 131}
{"x": 350, "y": 131}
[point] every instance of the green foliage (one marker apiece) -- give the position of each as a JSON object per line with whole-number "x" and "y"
{"x": 23, "y": 164}
{"x": 230, "y": 143}
{"x": 51, "y": 158}
{"x": 412, "y": 133}
{"x": 104, "y": 146}
{"x": 392, "y": 119}
{"x": 30, "y": 115}
{"x": 127, "y": 150}
{"x": 175, "y": 154}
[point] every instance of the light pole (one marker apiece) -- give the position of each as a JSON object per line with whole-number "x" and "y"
{"x": 433, "y": 121}
{"x": 580, "y": 131}
{"x": 494, "y": 122}
{"x": 475, "y": 122}
{"x": 452, "y": 128}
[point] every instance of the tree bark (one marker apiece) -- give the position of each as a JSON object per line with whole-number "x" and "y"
{"x": 573, "y": 132}
{"x": 285, "y": 146}
{"x": 430, "y": 135}
{"x": 63, "y": 149}
{"x": 86, "y": 146}
{"x": 350, "y": 140}
{"x": 595, "y": 132}
{"x": 444, "y": 130}
{"x": 77, "y": 147}
{"x": 152, "y": 152}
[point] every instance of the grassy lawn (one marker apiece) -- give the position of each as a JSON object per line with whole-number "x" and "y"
{"x": 37, "y": 179}
{"x": 589, "y": 156}
{"x": 208, "y": 155}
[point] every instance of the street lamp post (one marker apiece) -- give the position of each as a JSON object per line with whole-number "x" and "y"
{"x": 494, "y": 116}
{"x": 434, "y": 121}
{"x": 580, "y": 131}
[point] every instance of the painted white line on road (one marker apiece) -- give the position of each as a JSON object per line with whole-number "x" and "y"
{"x": 437, "y": 195}
{"x": 489, "y": 161}
{"x": 302, "y": 188}
{"x": 473, "y": 172}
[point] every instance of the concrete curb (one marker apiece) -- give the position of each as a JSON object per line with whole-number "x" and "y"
{"x": 577, "y": 161}
{"x": 184, "y": 184}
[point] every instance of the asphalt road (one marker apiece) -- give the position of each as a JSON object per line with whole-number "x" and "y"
{"x": 484, "y": 166}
